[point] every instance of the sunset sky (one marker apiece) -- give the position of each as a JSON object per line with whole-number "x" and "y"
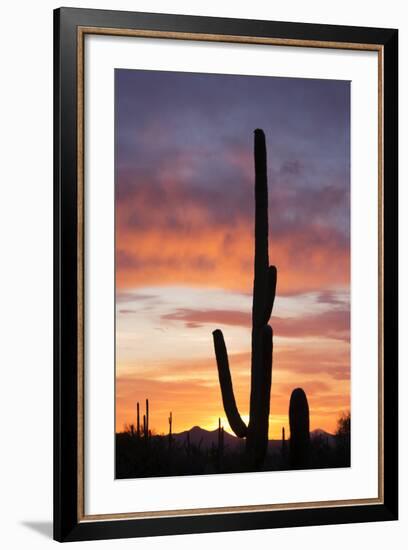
{"x": 185, "y": 242}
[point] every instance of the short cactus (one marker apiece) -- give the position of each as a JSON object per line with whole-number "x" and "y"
{"x": 170, "y": 429}
{"x": 138, "y": 420}
{"x": 299, "y": 444}
{"x": 283, "y": 445}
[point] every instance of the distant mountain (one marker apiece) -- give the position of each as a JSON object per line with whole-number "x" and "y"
{"x": 207, "y": 438}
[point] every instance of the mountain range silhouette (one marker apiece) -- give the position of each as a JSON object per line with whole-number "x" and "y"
{"x": 206, "y": 438}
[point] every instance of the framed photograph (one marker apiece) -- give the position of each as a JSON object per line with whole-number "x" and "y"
{"x": 225, "y": 274}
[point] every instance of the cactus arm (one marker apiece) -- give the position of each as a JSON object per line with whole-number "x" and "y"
{"x": 235, "y": 421}
{"x": 271, "y": 291}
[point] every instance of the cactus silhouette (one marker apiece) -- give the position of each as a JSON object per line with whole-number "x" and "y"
{"x": 283, "y": 446}
{"x": 142, "y": 429}
{"x": 146, "y": 434}
{"x": 220, "y": 438}
{"x": 170, "y": 428}
{"x": 138, "y": 419}
{"x": 299, "y": 429}
{"x": 264, "y": 288}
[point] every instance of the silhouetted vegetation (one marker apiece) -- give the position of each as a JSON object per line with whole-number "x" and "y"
{"x": 343, "y": 438}
{"x": 219, "y": 452}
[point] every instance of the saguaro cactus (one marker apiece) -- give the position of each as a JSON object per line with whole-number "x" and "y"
{"x": 299, "y": 429}
{"x": 220, "y": 437}
{"x": 147, "y": 419}
{"x": 283, "y": 447}
{"x": 256, "y": 433}
{"x": 138, "y": 419}
{"x": 170, "y": 428}
{"x": 220, "y": 449}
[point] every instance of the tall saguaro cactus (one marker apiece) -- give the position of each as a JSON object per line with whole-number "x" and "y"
{"x": 299, "y": 429}
{"x": 256, "y": 433}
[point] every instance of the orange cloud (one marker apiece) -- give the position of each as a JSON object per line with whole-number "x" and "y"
{"x": 218, "y": 257}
